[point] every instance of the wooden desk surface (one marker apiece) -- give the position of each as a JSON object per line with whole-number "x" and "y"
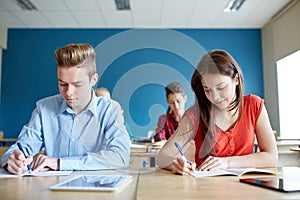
{"x": 148, "y": 183}
{"x": 163, "y": 184}
{"x": 32, "y": 188}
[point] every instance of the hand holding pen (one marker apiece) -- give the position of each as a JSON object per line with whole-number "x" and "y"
{"x": 22, "y": 150}
{"x": 183, "y": 168}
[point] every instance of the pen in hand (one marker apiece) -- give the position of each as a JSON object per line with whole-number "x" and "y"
{"x": 21, "y": 149}
{"x": 181, "y": 153}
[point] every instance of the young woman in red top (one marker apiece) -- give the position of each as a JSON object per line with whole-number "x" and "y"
{"x": 219, "y": 131}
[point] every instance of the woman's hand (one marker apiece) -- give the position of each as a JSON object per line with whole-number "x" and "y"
{"x": 183, "y": 167}
{"x": 211, "y": 163}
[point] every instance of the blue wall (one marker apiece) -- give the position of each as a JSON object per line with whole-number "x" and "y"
{"x": 134, "y": 65}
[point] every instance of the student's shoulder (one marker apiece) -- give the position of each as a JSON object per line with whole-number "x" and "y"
{"x": 192, "y": 112}
{"x": 106, "y": 102}
{"x": 253, "y": 104}
{"x": 50, "y": 100}
{"x": 192, "y": 115}
{"x": 253, "y": 99}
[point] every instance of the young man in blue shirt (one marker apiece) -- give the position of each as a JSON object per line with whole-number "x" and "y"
{"x": 78, "y": 130}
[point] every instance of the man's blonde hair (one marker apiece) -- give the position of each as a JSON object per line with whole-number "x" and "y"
{"x": 80, "y": 55}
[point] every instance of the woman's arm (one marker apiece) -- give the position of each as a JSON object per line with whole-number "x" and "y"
{"x": 184, "y": 136}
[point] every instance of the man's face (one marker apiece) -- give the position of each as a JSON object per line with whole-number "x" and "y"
{"x": 177, "y": 102}
{"x": 75, "y": 86}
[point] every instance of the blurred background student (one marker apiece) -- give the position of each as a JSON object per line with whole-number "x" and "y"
{"x": 102, "y": 91}
{"x": 168, "y": 123}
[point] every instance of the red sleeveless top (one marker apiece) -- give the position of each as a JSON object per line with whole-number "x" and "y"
{"x": 239, "y": 139}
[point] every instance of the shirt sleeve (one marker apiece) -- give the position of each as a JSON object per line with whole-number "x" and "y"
{"x": 30, "y": 139}
{"x": 116, "y": 148}
{"x": 160, "y": 132}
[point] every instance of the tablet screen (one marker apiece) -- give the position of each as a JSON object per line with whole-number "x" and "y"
{"x": 94, "y": 183}
{"x": 275, "y": 183}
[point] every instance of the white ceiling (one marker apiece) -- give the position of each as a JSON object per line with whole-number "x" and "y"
{"x": 143, "y": 14}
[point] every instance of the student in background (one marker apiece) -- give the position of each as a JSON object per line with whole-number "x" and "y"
{"x": 102, "y": 91}
{"x": 168, "y": 123}
{"x": 78, "y": 130}
{"x": 218, "y": 132}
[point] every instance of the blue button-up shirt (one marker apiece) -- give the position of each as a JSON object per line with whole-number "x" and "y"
{"x": 94, "y": 139}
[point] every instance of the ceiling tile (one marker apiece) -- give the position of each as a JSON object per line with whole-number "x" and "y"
{"x": 175, "y": 19}
{"x": 32, "y": 19}
{"x": 80, "y": 5}
{"x": 53, "y": 5}
{"x": 115, "y": 19}
{"x": 106, "y": 5}
{"x": 56, "y": 19}
{"x": 228, "y": 20}
{"x": 203, "y": 19}
{"x": 89, "y": 19}
{"x": 144, "y": 5}
{"x": 9, "y": 20}
{"x": 216, "y": 5}
{"x": 10, "y": 5}
{"x": 146, "y": 19}
{"x": 179, "y": 4}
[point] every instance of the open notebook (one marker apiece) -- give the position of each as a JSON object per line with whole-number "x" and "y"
{"x": 5, "y": 174}
{"x": 233, "y": 172}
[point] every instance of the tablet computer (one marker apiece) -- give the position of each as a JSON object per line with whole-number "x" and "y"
{"x": 274, "y": 183}
{"x": 109, "y": 183}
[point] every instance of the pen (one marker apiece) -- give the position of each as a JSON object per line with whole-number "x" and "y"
{"x": 181, "y": 153}
{"x": 21, "y": 149}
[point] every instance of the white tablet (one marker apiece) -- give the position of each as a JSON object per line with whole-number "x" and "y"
{"x": 110, "y": 183}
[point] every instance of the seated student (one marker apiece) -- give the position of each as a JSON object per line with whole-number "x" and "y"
{"x": 168, "y": 123}
{"x": 78, "y": 130}
{"x": 218, "y": 131}
{"x": 102, "y": 91}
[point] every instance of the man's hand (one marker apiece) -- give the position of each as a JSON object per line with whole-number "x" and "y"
{"x": 44, "y": 163}
{"x": 17, "y": 163}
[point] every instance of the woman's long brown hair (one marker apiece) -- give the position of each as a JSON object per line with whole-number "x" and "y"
{"x": 215, "y": 61}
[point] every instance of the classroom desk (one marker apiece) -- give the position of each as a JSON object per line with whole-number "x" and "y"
{"x": 164, "y": 185}
{"x": 32, "y": 188}
{"x": 149, "y": 183}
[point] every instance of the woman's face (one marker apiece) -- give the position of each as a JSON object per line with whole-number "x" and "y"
{"x": 219, "y": 89}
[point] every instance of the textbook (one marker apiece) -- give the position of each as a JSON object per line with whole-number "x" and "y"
{"x": 233, "y": 172}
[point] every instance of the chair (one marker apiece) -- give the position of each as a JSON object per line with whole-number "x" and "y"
{"x": 2, "y": 151}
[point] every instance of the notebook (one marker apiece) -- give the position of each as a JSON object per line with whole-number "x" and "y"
{"x": 232, "y": 171}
